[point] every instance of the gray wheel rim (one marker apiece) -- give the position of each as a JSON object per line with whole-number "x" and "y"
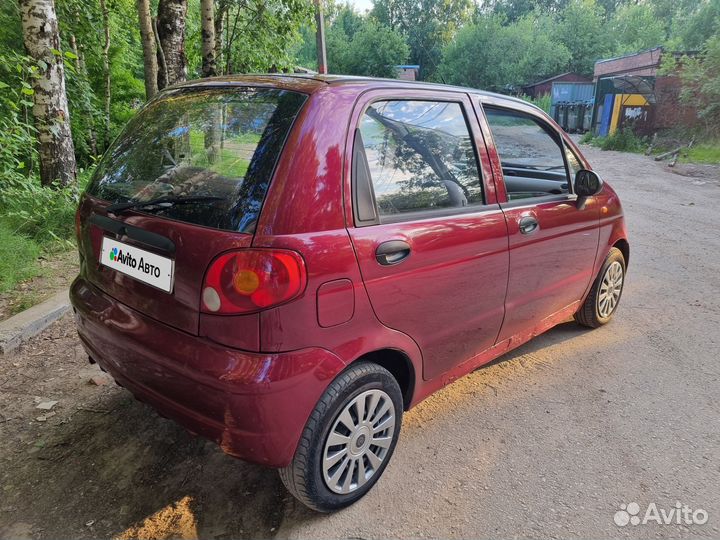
{"x": 610, "y": 289}
{"x": 358, "y": 442}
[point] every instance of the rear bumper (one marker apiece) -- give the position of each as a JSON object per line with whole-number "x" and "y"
{"x": 254, "y": 405}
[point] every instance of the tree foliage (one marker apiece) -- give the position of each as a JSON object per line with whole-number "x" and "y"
{"x": 501, "y": 57}
{"x": 701, "y": 78}
{"x": 17, "y": 134}
{"x": 694, "y": 23}
{"x": 427, "y": 26}
{"x": 360, "y": 46}
{"x": 582, "y": 28}
{"x": 260, "y": 34}
{"x": 569, "y": 35}
{"x": 514, "y": 10}
{"x": 356, "y": 44}
{"x": 635, "y": 27}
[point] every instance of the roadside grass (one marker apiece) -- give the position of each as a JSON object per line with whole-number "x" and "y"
{"x": 705, "y": 151}
{"x": 31, "y": 270}
{"x": 37, "y": 241}
{"x": 17, "y": 258}
{"x": 708, "y": 153}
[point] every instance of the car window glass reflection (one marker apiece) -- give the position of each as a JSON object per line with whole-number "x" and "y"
{"x": 531, "y": 158}
{"x": 421, "y": 156}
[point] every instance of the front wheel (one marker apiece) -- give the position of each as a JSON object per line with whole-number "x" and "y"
{"x": 604, "y": 297}
{"x": 348, "y": 440}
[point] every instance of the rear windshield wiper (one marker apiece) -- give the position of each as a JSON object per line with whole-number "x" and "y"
{"x": 160, "y": 201}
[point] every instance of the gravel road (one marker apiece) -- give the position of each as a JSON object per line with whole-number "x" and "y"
{"x": 548, "y": 442}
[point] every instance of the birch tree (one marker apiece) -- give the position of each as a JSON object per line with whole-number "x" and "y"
{"x": 171, "y": 34}
{"x": 220, "y": 11}
{"x": 147, "y": 38}
{"x": 207, "y": 22}
{"x": 50, "y": 106}
{"x": 209, "y": 69}
{"x": 106, "y": 70}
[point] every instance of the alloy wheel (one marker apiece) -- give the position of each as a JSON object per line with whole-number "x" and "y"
{"x": 358, "y": 442}
{"x": 610, "y": 289}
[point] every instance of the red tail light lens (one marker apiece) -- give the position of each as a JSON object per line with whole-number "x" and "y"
{"x": 251, "y": 280}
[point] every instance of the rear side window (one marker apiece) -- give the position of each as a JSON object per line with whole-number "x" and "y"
{"x": 420, "y": 156}
{"x": 531, "y": 156}
{"x": 214, "y": 143}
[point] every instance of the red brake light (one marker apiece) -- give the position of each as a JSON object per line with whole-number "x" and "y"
{"x": 250, "y": 280}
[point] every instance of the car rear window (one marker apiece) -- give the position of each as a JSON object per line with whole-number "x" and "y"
{"x": 217, "y": 143}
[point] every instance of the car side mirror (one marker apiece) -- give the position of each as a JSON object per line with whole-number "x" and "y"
{"x": 587, "y": 183}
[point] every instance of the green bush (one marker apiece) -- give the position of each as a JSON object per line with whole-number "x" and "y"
{"x": 17, "y": 135}
{"x": 622, "y": 141}
{"x": 587, "y": 138}
{"x": 34, "y": 219}
{"x": 46, "y": 215}
{"x": 43, "y": 214}
{"x": 17, "y": 258}
{"x": 701, "y": 84}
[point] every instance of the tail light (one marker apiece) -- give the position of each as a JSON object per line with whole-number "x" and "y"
{"x": 250, "y": 280}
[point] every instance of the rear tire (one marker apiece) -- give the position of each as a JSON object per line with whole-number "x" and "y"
{"x": 336, "y": 464}
{"x": 604, "y": 297}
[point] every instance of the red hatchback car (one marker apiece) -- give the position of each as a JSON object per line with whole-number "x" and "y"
{"x": 284, "y": 264}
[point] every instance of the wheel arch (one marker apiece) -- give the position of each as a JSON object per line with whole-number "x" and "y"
{"x": 624, "y": 247}
{"x": 399, "y": 365}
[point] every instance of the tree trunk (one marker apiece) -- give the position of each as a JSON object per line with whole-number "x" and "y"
{"x": 219, "y": 27}
{"x": 147, "y": 38}
{"x": 50, "y": 106}
{"x": 209, "y": 69}
{"x": 106, "y": 70}
{"x": 80, "y": 66}
{"x": 207, "y": 21}
{"x": 171, "y": 33}
{"x": 229, "y": 39}
{"x": 74, "y": 50}
{"x": 320, "y": 38}
{"x": 162, "y": 66}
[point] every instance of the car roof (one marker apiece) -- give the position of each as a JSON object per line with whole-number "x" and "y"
{"x": 311, "y": 82}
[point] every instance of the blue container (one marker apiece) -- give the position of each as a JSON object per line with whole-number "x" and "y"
{"x": 564, "y": 92}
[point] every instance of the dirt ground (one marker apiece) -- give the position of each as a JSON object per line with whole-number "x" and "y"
{"x": 547, "y": 443}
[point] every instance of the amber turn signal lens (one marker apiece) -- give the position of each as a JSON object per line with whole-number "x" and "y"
{"x": 246, "y": 282}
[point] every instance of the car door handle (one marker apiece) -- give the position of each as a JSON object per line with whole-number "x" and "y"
{"x": 392, "y": 252}
{"x": 528, "y": 224}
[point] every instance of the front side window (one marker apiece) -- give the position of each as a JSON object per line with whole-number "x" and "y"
{"x": 531, "y": 156}
{"x": 216, "y": 147}
{"x": 421, "y": 156}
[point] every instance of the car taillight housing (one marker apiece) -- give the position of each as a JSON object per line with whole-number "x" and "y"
{"x": 250, "y": 280}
